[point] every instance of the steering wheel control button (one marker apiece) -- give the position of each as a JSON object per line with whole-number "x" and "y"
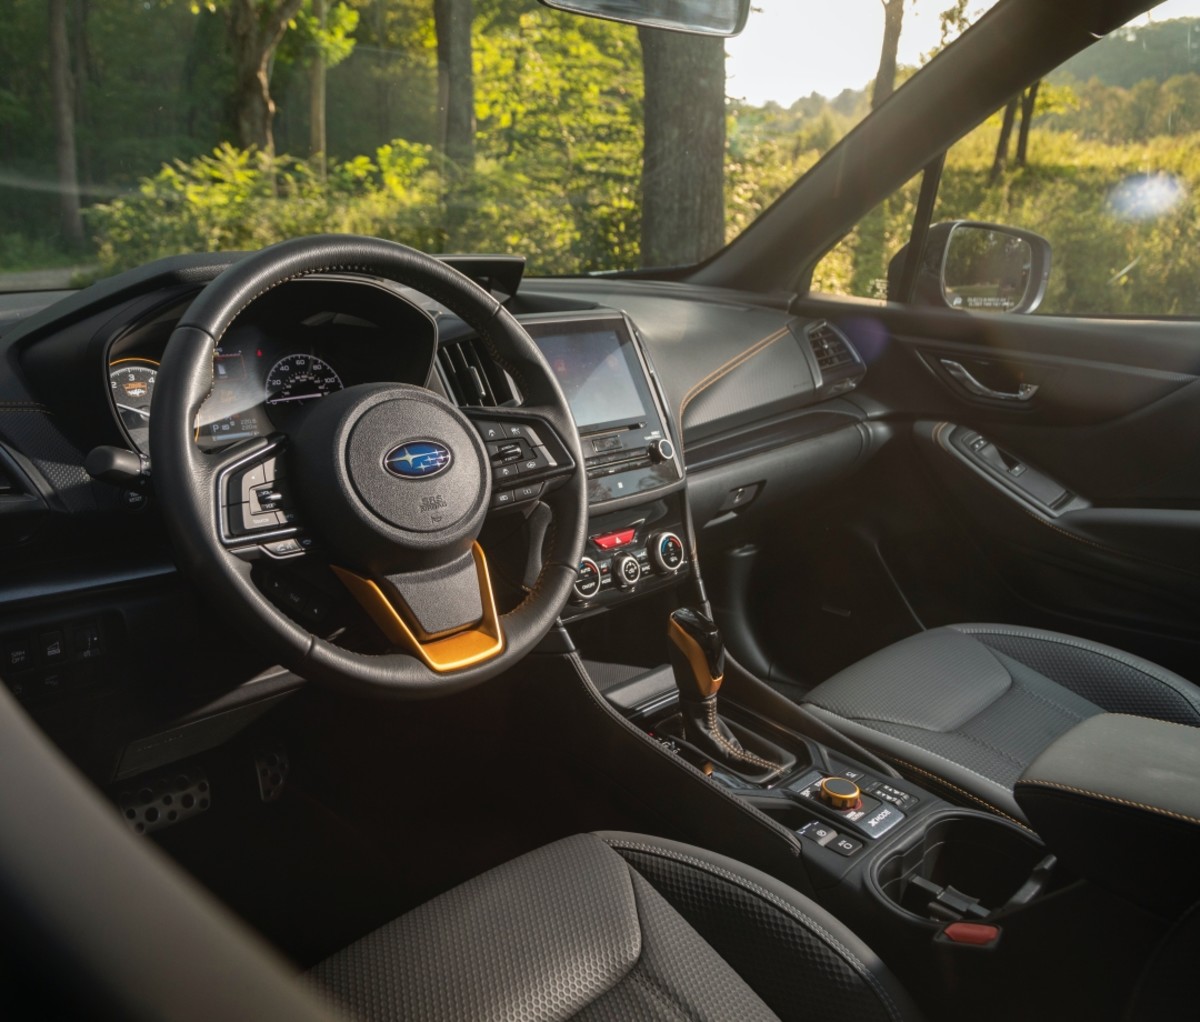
{"x": 503, "y": 498}
{"x": 530, "y": 491}
{"x": 587, "y": 581}
{"x": 666, "y": 551}
{"x": 844, "y": 845}
{"x": 628, "y": 570}
{"x": 535, "y": 462}
{"x": 284, "y": 548}
{"x": 502, "y": 473}
{"x": 840, "y": 793}
{"x": 490, "y": 431}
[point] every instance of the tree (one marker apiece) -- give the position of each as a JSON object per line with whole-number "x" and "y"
{"x": 322, "y": 39}
{"x": 63, "y": 93}
{"x": 256, "y": 28}
{"x": 683, "y": 154}
{"x": 885, "y": 77}
{"x": 456, "y": 83}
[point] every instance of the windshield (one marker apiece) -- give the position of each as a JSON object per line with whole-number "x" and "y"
{"x": 146, "y": 128}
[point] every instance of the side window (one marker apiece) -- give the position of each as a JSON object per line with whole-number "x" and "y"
{"x": 1107, "y": 173}
{"x": 857, "y": 265}
{"x": 1101, "y": 157}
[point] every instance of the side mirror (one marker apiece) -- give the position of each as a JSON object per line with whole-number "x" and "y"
{"x": 700, "y": 17}
{"x": 978, "y": 267}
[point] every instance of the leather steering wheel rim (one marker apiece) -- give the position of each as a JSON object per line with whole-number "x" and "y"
{"x": 184, "y": 474}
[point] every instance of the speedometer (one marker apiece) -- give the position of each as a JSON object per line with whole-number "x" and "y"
{"x": 295, "y": 379}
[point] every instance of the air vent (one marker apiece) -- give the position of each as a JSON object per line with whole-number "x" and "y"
{"x": 831, "y": 349}
{"x": 838, "y": 368}
{"x": 471, "y": 375}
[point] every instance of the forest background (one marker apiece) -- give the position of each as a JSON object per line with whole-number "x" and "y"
{"x": 133, "y": 130}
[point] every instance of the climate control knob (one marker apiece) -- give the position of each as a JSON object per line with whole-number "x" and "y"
{"x": 627, "y": 570}
{"x": 666, "y": 552}
{"x": 587, "y": 579}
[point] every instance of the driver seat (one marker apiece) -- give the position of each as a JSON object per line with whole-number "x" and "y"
{"x": 614, "y": 926}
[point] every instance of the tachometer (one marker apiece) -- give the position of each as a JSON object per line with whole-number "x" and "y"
{"x": 132, "y": 383}
{"x": 295, "y": 379}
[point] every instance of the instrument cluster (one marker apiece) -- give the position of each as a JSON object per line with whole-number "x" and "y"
{"x": 267, "y": 372}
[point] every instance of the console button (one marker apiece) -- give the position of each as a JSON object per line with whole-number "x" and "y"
{"x": 666, "y": 551}
{"x": 18, "y": 655}
{"x": 840, "y": 793}
{"x": 819, "y": 832}
{"x": 612, "y": 540}
{"x": 627, "y": 571}
{"x": 52, "y": 647}
{"x": 845, "y": 845}
{"x": 87, "y": 641}
{"x": 587, "y": 581}
{"x": 661, "y": 450}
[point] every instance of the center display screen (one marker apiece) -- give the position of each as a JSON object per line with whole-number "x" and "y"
{"x": 593, "y": 368}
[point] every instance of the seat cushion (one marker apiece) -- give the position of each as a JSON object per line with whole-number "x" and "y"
{"x": 573, "y": 930}
{"x": 965, "y": 709}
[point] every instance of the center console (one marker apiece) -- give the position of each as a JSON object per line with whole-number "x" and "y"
{"x": 636, "y": 534}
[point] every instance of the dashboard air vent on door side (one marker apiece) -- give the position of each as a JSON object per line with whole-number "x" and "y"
{"x": 837, "y": 367}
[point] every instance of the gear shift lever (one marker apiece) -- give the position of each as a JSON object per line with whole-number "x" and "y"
{"x": 698, "y": 660}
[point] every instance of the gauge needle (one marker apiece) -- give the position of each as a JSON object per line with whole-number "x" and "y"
{"x": 293, "y": 397}
{"x": 136, "y": 411}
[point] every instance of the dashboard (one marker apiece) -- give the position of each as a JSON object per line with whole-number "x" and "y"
{"x": 658, "y": 376}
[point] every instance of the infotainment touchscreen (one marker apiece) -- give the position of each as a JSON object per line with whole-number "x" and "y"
{"x": 594, "y": 371}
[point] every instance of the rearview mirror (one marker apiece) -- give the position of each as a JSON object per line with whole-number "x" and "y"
{"x": 979, "y": 267}
{"x": 700, "y": 17}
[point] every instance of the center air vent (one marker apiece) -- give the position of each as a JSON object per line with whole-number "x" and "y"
{"x": 472, "y": 377}
{"x": 839, "y": 367}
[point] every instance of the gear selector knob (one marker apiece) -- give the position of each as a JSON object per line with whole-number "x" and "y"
{"x": 697, "y": 653}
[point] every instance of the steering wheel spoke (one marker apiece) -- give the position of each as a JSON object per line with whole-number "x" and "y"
{"x": 256, "y": 509}
{"x": 527, "y": 453}
{"x": 445, "y": 616}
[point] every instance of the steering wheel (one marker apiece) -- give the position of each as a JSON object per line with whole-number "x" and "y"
{"x": 392, "y": 480}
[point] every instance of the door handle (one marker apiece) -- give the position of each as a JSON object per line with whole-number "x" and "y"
{"x": 962, "y": 375}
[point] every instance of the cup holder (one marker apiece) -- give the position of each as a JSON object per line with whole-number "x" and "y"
{"x": 965, "y": 866}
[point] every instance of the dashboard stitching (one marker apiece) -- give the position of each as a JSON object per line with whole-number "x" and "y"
{"x": 724, "y": 370}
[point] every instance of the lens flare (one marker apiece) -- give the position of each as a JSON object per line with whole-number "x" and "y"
{"x": 1146, "y": 196}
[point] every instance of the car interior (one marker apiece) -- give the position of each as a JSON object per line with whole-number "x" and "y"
{"x": 442, "y": 642}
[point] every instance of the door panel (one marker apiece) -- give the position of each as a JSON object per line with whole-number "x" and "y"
{"x": 1084, "y": 494}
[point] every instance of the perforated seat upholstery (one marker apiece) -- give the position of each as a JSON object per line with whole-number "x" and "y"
{"x": 614, "y": 927}
{"x": 964, "y": 709}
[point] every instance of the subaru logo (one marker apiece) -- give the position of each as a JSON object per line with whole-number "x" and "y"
{"x": 418, "y": 459}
